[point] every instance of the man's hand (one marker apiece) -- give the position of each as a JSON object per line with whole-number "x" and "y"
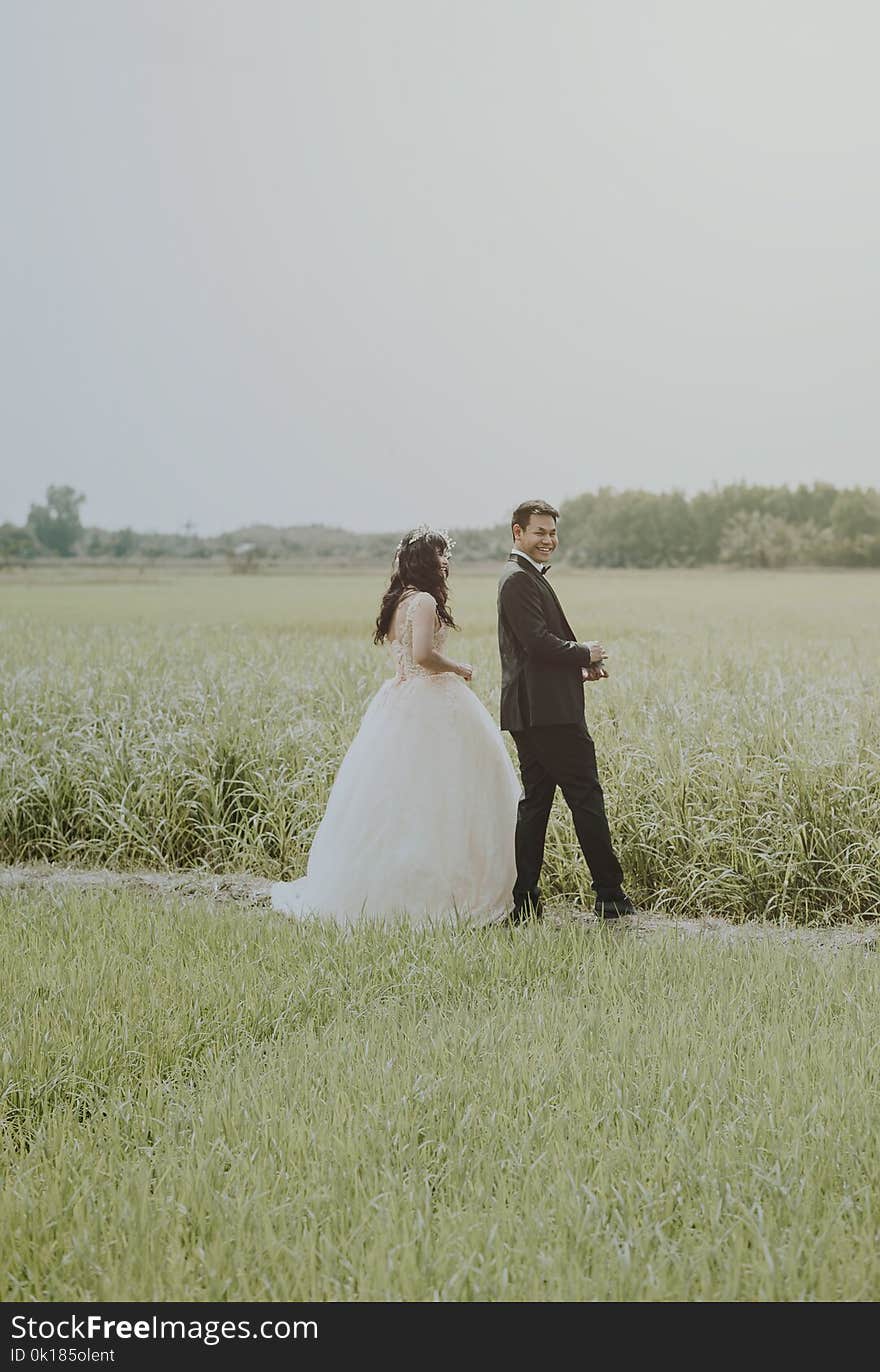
{"x": 596, "y": 670}
{"x": 465, "y": 670}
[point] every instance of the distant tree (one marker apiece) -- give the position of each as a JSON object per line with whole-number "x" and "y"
{"x": 16, "y": 544}
{"x": 806, "y": 504}
{"x": 855, "y": 513}
{"x": 628, "y": 529}
{"x": 56, "y": 525}
{"x": 109, "y": 542}
{"x": 473, "y": 545}
{"x": 95, "y": 542}
{"x": 123, "y": 542}
{"x": 764, "y": 540}
{"x": 713, "y": 510}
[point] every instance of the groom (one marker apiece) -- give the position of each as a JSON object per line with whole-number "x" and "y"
{"x": 543, "y": 670}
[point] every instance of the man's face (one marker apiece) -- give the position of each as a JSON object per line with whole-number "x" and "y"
{"x": 538, "y": 539}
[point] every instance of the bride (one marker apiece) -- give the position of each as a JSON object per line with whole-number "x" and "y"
{"x": 420, "y": 821}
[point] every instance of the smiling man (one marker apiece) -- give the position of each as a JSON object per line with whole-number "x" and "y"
{"x": 543, "y": 670}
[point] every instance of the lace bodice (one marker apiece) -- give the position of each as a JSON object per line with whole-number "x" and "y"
{"x": 402, "y": 648}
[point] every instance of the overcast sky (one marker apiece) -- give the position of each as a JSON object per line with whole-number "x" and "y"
{"x": 373, "y": 262}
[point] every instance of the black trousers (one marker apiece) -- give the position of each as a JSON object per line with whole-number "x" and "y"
{"x": 562, "y": 755}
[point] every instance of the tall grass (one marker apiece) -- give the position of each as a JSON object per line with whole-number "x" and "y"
{"x": 203, "y": 1104}
{"x": 200, "y": 722}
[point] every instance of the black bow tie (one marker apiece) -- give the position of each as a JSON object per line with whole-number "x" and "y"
{"x": 545, "y": 569}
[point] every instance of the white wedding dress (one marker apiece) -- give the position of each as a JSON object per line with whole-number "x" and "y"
{"x": 420, "y": 821}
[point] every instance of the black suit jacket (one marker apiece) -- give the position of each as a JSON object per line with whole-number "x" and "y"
{"x": 541, "y": 681}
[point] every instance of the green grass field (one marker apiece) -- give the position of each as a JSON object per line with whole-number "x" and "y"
{"x": 205, "y": 1103}
{"x": 198, "y": 721}
{"x": 202, "y": 1100}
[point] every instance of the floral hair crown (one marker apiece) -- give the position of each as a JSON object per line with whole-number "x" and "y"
{"x": 424, "y": 531}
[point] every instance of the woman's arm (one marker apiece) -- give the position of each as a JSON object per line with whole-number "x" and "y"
{"x": 423, "y": 614}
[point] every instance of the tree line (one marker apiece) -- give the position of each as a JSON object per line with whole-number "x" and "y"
{"x": 739, "y": 525}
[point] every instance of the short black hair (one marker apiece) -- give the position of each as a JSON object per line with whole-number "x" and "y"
{"x": 524, "y": 511}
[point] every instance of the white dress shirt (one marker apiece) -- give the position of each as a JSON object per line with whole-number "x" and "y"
{"x": 538, "y": 566}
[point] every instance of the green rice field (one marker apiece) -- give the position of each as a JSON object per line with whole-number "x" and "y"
{"x": 201, "y": 1100}
{"x": 198, "y": 721}
{"x": 206, "y": 1103}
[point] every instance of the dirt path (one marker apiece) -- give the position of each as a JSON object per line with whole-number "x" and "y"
{"x": 243, "y": 890}
{"x": 254, "y": 892}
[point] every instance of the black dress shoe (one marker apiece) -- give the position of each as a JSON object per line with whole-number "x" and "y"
{"x": 524, "y": 911}
{"x": 614, "y": 907}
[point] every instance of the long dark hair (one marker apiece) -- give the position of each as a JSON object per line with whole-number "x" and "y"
{"x": 417, "y": 565}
